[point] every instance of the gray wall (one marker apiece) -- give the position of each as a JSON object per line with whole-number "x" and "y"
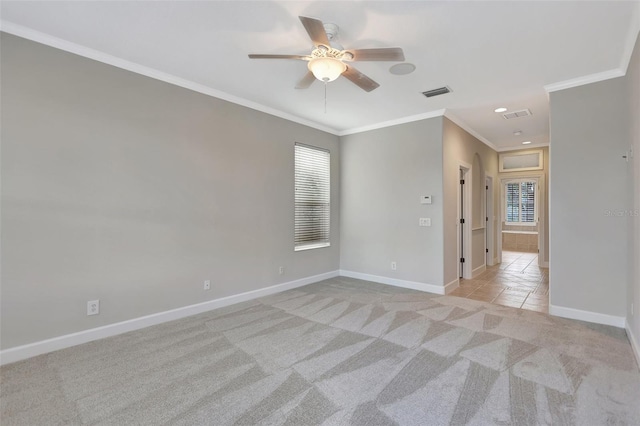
{"x": 125, "y": 189}
{"x": 384, "y": 173}
{"x": 458, "y": 145}
{"x": 588, "y": 245}
{"x": 633, "y": 289}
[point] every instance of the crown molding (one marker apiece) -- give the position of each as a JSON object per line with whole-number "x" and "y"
{"x": 586, "y": 79}
{"x": 395, "y": 122}
{"x": 629, "y": 45}
{"x": 96, "y": 55}
{"x": 457, "y": 120}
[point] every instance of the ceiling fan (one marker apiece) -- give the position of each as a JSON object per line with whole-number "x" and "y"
{"x": 327, "y": 63}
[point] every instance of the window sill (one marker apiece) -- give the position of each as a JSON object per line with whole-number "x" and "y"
{"x": 311, "y": 246}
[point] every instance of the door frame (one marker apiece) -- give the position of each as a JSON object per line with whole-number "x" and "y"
{"x": 539, "y": 177}
{"x": 489, "y": 234}
{"x": 464, "y": 237}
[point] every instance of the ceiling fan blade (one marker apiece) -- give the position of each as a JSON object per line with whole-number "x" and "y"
{"x": 301, "y": 57}
{"x": 382, "y": 54}
{"x": 316, "y": 31}
{"x": 306, "y": 81}
{"x": 359, "y": 79}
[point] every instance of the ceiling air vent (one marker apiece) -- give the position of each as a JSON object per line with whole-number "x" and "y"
{"x": 517, "y": 114}
{"x": 436, "y": 92}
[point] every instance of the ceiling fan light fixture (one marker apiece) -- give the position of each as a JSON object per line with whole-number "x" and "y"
{"x": 326, "y": 69}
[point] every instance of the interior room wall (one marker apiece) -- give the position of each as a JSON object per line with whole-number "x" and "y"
{"x": 544, "y": 214}
{"x": 460, "y": 146}
{"x": 633, "y": 288}
{"x": 126, "y": 189}
{"x": 589, "y": 132}
{"x": 384, "y": 173}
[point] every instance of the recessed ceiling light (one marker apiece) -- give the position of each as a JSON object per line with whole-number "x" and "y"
{"x": 526, "y": 142}
{"x": 501, "y": 109}
{"x": 517, "y": 133}
{"x": 402, "y": 69}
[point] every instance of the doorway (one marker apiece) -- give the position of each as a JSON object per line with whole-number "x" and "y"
{"x": 517, "y": 279}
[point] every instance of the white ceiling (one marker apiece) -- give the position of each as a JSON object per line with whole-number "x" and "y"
{"x": 490, "y": 53}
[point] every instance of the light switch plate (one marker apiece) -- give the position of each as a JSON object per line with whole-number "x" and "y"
{"x": 425, "y": 199}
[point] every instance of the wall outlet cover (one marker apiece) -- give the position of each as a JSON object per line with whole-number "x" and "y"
{"x": 93, "y": 307}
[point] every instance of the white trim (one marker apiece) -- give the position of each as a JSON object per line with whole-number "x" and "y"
{"x": 61, "y": 342}
{"x": 96, "y": 55}
{"x": 489, "y": 204}
{"x": 480, "y": 269}
{"x": 448, "y": 288}
{"x": 586, "y": 79}
{"x": 467, "y": 236}
{"x": 468, "y": 129}
{"x": 561, "y": 311}
{"x": 429, "y": 288}
{"x": 634, "y": 343}
{"x": 543, "y": 264}
{"x": 394, "y": 122}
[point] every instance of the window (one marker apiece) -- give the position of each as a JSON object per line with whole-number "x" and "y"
{"x": 521, "y": 202}
{"x": 521, "y": 161}
{"x": 312, "y": 197}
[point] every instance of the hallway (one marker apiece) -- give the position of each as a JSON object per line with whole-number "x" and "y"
{"x": 517, "y": 282}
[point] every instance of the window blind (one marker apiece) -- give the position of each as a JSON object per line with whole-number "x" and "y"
{"x": 312, "y": 197}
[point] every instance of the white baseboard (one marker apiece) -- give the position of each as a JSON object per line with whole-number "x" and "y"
{"x": 634, "y": 343}
{"x": 448, "y": 288}
{"x": 478, "y": 270}
{"x": 38, "y": 348}
{"x": 429, "y": 288}
{"x": 561, "y": 311}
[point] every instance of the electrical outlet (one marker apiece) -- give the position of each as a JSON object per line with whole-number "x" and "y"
{"x": 424, "y": 221}
{"x": 207, "y": 285}
{"x": 93, "y": 307}
{"x": 281, "y": 270}
{"x": 394, "y": 266}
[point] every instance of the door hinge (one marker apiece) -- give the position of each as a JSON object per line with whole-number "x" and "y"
{"x": 461, "y": 220}
{"x": 461, "y": 181}
{"x": 487, "y": 250}
{"x": 462, "y": 260}
{"x": 487, "y": 187}
{"x": 487, "y": 218}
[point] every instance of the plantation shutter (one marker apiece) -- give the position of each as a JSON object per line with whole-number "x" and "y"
{"x": 312, "y": 197}
{"x": 527, "y": 194}
{"x": 513, "y": 202}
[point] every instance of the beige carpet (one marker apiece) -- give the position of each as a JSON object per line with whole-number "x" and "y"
{"x": 339, "y": 352}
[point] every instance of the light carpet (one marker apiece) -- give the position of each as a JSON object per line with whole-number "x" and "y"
{"x": 339, "y": 352}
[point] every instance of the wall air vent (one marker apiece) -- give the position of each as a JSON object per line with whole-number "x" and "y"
{"x": 436, "y": 92}
{"x": 517, "y": 114}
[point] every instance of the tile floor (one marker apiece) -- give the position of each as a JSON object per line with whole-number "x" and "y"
{"x": 517, "y": 282}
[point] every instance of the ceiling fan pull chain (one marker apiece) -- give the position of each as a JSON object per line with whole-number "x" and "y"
{"x": 325, "y": 97}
